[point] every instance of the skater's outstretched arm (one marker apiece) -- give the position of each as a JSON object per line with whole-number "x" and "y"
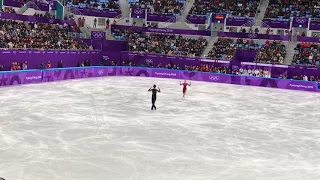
{"x": 150, "y": 89}
{"x": 159, "y": 90}
{"x": 189, "y": 83}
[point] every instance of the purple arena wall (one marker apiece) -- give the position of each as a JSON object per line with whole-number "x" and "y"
{"x": 39, "y": 76}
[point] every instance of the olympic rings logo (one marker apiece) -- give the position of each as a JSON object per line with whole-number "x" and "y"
{"x": 138, "y": 11}
{"x": 98, "y": 35}
{"x": 100, "y": 72}
{"x": 252, "y": 36}
{"x": 301, "y": 20}
{"x": 149, "y": 60}
{"x": 214, "y": 78}
{"x": 51, "y": 21}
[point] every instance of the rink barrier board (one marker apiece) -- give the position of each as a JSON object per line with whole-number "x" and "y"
{"x": 8, "y": 78}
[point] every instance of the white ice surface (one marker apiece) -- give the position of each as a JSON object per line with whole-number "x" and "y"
{"x": 103, "y": 129}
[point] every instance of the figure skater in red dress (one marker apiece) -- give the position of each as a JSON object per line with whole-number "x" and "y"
{"x": 185, "y": 84}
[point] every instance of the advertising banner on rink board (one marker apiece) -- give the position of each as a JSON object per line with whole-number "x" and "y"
{"x": 276, "y": 23}
{"x": 13, "y": 3}
{"x": 13, "y": 78}
{"x": 161, "y": 17}
{"x": 253, "y": 36}
{"x": 240, "y": 21}
{"x": 196, "y": 19}
{"x": 39, "y": 5}
{"x": 23, "y": 77}
{"x": 163, "y": 30}
{"x": 308, "y": 39}
{"x": 69, "y": 58}
{"x": 315, "y": 25}
{"x": 109, "y": 13}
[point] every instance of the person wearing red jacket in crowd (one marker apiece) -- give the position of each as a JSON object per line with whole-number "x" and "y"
{"x": 48, "y": 65}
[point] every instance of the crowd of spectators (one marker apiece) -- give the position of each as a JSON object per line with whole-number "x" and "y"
{"x": 293, "y": 8}
{"x": 23, "y": 35}
{"x": 301, "y": 78}
{"x": 242, "y": 8}
{"x": 242, "y": 71}
{"x": 96, "y": 4}
{"x": 307, "y": 54}
{"x": 254, "y": 72}
{"x": 272, "y": 52}
{"x": 159, "y": 6}
{"x": 15, "y": 66}
{"x": 8, "y": 10}
{"x": 259, "y": 72}
{"x": 224, "y": 48}
{"x": 87, "y": 62}
{"x": 167, "y": 44}
{"x": 158, "y": 43}
{"x": 46, "y": 15}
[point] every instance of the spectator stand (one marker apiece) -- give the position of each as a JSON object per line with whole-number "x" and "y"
{"x": 307, "y": 54}
{"x": 217, "y": 12}
{"x": 73, "y": 30}
{"x": 94, "y": 21}
{"x": 240, "y": 8}
{"x": 272, "y": 52}
{"x": 95, "y": 15}
{"x": 159, "y": 11}
{"x": 240, "y": 49}
{"x": 284, "y": 9}
{"x": 98, "y": 4}
{"x": 24, "y": 35}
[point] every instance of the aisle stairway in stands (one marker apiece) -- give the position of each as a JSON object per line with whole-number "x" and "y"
{"x": 212, "y": 40}
{"x": 263, "y": 7}
{"x": 125, "y": 8}
{"x": 181, "y": 21}
{"x": 290, "y": 52}
{"x": 186, "y": 11}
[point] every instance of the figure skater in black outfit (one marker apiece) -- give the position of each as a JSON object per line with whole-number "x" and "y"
{"x": 154, "y": 96}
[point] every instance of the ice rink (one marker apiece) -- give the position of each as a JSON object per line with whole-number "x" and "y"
{"x": 103, "y": 129}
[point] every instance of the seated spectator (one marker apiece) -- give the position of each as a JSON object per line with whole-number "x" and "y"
{"x": 42, "y": 66}
{"x": 274, "y": 52}
{"x": 80, "y": 64}
{"x": 243, "y": 8}
{"x": 60, "y": 64}
{"x": 48, "y": 65}
{"x": 25, "y": 65}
